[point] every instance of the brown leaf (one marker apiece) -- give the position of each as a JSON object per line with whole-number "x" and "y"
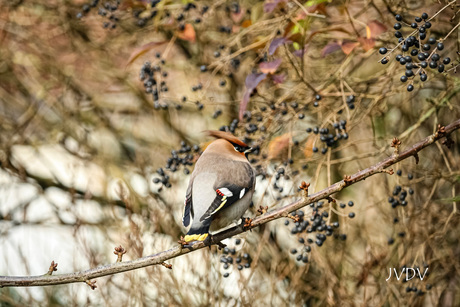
{"x": 246, "y": 24}
{"x": 278, "y": 146}
{"x": 366, "y": 43}
{"x": 188, "y": 34}
{"x": 347, "y": 47}
{"x": 137, "y": 52}
{"x": 269, "y": 67}
{"x": 376, "y": 28}
{"x": 308, "y": 149}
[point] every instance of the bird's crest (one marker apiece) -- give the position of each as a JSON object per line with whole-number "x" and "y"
{"x": 226, "y": 136}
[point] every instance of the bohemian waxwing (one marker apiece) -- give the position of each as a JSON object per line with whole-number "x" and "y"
{"x": 220, "y": 188}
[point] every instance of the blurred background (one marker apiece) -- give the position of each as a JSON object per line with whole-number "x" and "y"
{"x": 103, "y": 105}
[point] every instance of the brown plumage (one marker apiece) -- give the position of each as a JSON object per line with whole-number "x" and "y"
{"x": 220, "y": 188}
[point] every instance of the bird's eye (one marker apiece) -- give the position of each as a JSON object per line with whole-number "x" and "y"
{"x": 238, "y": 148}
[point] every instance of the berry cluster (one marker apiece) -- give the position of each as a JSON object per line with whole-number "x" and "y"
{"x": 106, "y": 10}
{"x": 183, "y": 156}
{"x": 327, "y": 137}
{"x": 231, "y": 258}
{"x": 153, "y": 77}
{"x": 417, "y": 53}
{"x": 398, "y": 198}
{"x": 316, "y": 224}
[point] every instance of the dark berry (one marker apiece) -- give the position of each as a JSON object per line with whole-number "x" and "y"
{"x": 423, "y": 64}
{"x": 433, "y": 64}
{"x": 398, "y": 34}
{"x": 418, "y": 19}
{"x": 440, "y": 46}
{"x": 398, "y": 17}
{"x": 424, "y": 16}
{"x": 351, "y": 215}
{"x": 410, "y": 88}
{"x": 423, "y": 77}
{"x": 426, "y": 47}
{"x": 432, "y": 41}
{"x": 397, "y": 26}
{"x": 384, "y": 61}
{"x": 413, "y": 25}
{"x": 427, "y": 25}
{"x": 409, "y": 73}
{"x": 441, "y": 67}
{"x": 446, "y": 61}
{"x": 435, "y": 57}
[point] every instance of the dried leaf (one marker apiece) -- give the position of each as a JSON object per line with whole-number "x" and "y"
{"x": 237, "y": 17}
{"x": 308, "y": 149}
{"x": 251, "y": 83}
{"x": 270, "y": 5}
{"x": 188, "y": 34}
{"x": 278, "y": 146}
{"x": 276, "y": 43}
{"x": 246, "y": 24}
{"x": 137, "y": 52}
{"x": 347, "y": 47}
{"x": 329, "y": 48}
{"x": 269, "y": 67}
{"x": 376, "y": 28}
{"x": 366, "y": 43}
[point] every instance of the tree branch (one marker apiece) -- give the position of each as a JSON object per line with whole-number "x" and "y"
{"x": 159, "y": 258}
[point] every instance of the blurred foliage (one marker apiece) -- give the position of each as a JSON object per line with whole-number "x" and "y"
{"x": 102, "y": 104}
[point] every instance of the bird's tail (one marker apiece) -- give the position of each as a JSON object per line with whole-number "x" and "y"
{"x": 197, "y": 232}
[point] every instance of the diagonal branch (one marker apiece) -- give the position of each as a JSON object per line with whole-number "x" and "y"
{"x": 159, "y": 258}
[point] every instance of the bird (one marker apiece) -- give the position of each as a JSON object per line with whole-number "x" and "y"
{"x": 220, "y": 188}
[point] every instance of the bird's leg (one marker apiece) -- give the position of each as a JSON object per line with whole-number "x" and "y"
{"x": 210, "y": 240}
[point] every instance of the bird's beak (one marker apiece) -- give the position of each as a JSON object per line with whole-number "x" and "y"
{"x": 249, "y": 150}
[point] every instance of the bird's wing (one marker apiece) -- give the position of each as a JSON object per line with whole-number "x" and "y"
{"x": 225, "y": 197}
{"x": 187, "y": 206}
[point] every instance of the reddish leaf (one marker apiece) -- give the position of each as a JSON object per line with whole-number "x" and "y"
{"x": 366, "y": 43}
{"x": 329, "y": 48}
{"x": 237, "y": 17}
{"x": 270, "y": 5}
{"x": 270, "y": 67}
{"x": 137, "y": 52}
{"x": 276, "y": 43}
{"x": 279, "y": 79}
{"x": 347, "y": 47}
{"x": 188, "y": 34}
{"x": 376, "y": 28}
{"x": 251, "y": 83}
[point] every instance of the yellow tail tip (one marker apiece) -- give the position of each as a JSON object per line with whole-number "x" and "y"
{"x": 197, "y": 237}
